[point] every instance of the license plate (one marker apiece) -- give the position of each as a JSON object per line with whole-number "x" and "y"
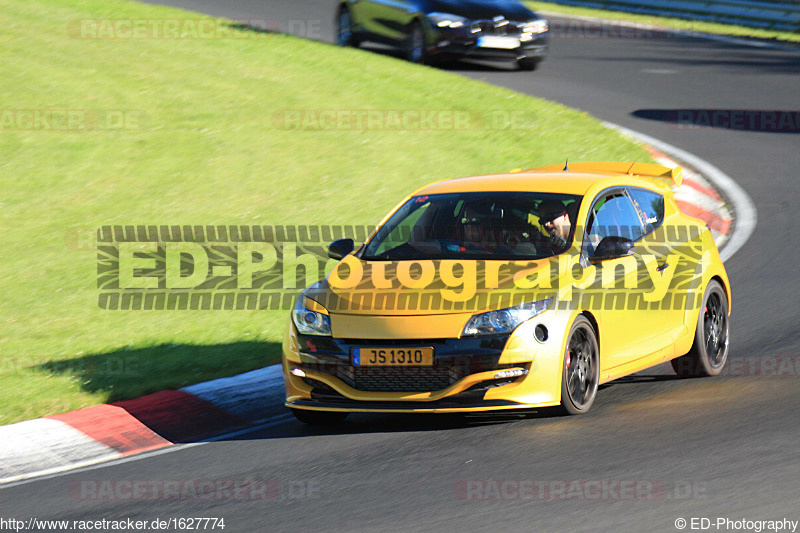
{"x": 393, "y": 356}
{"x": 499, "y": 41}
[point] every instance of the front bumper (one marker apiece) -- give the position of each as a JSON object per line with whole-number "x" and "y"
{"x": 472, "y": 51}
{"x": 319, "y": 375}
{"x": 463, "y": 43}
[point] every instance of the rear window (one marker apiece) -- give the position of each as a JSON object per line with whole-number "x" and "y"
{"x": 650, "y": 206}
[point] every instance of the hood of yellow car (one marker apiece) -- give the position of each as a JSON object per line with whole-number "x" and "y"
{"x": 431, "y": 287}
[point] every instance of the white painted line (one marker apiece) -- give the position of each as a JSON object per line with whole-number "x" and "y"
{"x": 660, "y": 71}
{"x": 744, "y": 209}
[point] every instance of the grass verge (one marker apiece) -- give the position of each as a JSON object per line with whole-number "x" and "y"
{"x": 101, "y": 125}
{"x": 669, "y": 22}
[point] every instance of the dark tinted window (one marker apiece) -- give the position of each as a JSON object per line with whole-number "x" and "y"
{"x": 480, "y": 225}
{"x": 650, "y": 206}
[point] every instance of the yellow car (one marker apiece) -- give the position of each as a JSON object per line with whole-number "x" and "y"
{"x": 523, "y": 290}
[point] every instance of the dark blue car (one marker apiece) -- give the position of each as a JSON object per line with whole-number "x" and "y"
{"x": 430, "y": 31}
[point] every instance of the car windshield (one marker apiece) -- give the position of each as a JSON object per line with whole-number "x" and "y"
{"x": 477, "y": 225}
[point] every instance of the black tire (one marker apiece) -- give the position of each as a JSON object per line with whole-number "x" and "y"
{"x": 415, "y": 44}
{"x": 581, "y": 369}
{"x": 528, "y": 64}
{"x": 319, "y": 418}
{"x": 345, "y": 36}
{"x": 710, "y": 348}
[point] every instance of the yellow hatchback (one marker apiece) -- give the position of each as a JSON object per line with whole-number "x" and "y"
{"x": 511, "y": 291}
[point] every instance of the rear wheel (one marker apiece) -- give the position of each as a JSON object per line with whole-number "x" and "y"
{"x": 319, "y": 418}
{"x": 710, "y": 349}
{"x": 581, "y": 370}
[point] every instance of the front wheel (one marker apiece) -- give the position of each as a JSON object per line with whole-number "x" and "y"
{"x": 527, "y": 64}
{"x": 581, "y": 369}
{"x": 415, "y": 44}
{"x": 710, "y": 348}
{"x": 319, "y": 418}
{"x": 344, "y": 24}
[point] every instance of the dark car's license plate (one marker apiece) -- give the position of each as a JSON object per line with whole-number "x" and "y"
{"x": 393, "y": 356}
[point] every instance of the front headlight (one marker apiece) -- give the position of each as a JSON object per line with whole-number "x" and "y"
{"x": 536, "y": 26}
{"x": 310, "y": 321}
{"x": 447, "y": 20}
{"x": 504, "y": 320}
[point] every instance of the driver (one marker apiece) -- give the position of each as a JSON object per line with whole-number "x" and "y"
{"x": 554, "y": 218}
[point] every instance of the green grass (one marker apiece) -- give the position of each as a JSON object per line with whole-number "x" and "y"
{"x": 668, "y": 22}
{"x": 202, "y": 148}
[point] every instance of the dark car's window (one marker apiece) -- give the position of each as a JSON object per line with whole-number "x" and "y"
{"x": 650, "y": 206}
{"x": 476, "y": 225}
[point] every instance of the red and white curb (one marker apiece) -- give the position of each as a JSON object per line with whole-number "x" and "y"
{"x": 101, "y": 433}
{"x": 111, "y": 431}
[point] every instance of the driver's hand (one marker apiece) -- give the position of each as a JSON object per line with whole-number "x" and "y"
{"x": 558, "y": 242}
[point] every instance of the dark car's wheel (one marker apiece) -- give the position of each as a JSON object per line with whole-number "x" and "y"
{"x": 710, "y": 348}
{"x": 415, "y": 43}
{"x": 581, "y": 370}
{"x": 528, "y": 64}
{"x": 319, "y": 418}
{"x": 345, "y": 36}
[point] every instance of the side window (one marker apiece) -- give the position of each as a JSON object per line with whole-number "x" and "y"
{"x": 650, "y": 206}
{"x": 613, "y": 214}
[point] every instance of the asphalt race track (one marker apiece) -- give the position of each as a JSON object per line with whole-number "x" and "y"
{"x": 659, "y": 448}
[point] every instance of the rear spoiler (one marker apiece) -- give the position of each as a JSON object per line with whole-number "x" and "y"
{"x": 620, "y": 167}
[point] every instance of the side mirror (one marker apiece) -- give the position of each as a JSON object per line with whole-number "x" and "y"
{"x": 340, "y": 248}
{"x": 613, "y": 247}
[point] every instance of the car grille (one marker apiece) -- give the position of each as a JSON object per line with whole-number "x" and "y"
{"x": 395, "y": 379}
{"x": 402, "y": 379}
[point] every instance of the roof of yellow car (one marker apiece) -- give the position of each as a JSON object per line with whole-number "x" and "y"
{"x": 539, "y": 181}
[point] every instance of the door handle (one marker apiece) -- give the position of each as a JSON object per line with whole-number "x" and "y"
{"x": 663, "y": 267}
